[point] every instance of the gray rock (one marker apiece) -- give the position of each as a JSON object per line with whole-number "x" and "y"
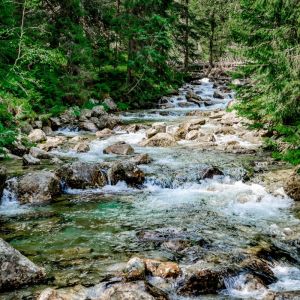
{"x": 47, "y": 130}
{"x": 39, "y": 153}
{"x": 120, "y": 148}
{"x": 218, "y": 94}
{"x": 110, "y": 104}
{"x": 292, "y": 187}
{"x": 88, "y": 126}
{"x": 82, "y": 147}
{"x": 127, "y": 172}
{"x": 29, "y": 160}
{"x": 37, "y": 136}
{"x": 55, "y": 123}
{"x": 82, "y": 175}
{"x": 98, "y": 111}
{"x": 135, "y": 269}
{"x": 38, "y": 187}
{"x": 27, "y": 128}
{"x": 17, "y": 270}
{"x": 141, "y": 159}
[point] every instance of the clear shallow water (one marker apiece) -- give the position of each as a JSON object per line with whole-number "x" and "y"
{"x": 85, "y": 235}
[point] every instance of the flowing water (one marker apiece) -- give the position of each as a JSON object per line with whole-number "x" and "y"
{"x": 87, "y": 235}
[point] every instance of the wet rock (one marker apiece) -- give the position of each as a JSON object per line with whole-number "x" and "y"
{"x": 225, "y": 130}
{"x": 37, "y": 136}
{"x": 260, "y": 268}
{"x": 218, "y": 94}
{"x": 292, "y": 187}
{"x": 76, "y": 293}
{"x": 160, "y": 140}
{"x": 135, "y": 269}
{"x": 88, "y": 126}
{"x": 132, "y": 291}
{"x": 192, "y": 135}
{"x": 55, "y": 123}
{"x": 3, "y": 177}
{"x": 47, "y": 130}
{"x": 112, "y": 106}
{"x": 141, "y": 159}
{"x": 106, "y": 132}
{"x": 52, "y": 142}
{"x": 293, "y": 295}
{"x": 203, "y": 278}
{"x": 120, "y": 148}
{"x": 81, "y": 175}
{"x": 29, "y": 160}
{"x": 162, "y": 269}
{"x": 16, "y": 270}
{"x": 210, "y": 172}
{"x": 82, "y": 147}
{"x": 127, "y": 172}
{"x": 38, "y": 187}
{"x": 77, "y": 139}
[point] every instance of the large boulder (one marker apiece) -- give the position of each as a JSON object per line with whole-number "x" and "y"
{"x": 16, "y": 270}
{"x": 159, "y": 140}
{"x": 3, "y": 177}
{"x": 292, "y": 186}
{"x": 37, "y": 136}
{"x": 120, "y": 148}
{"x": 82, "y": 175}
{"x": 38, "y": 187}
{"x": 125, "y": 171}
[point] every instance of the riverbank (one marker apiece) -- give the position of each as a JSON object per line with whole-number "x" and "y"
{"x": 186, "y": 189}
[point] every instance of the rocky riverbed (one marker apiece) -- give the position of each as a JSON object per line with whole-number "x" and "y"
{"x": 178, "y": 202}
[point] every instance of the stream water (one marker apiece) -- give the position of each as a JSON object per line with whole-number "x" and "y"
{"x": 86, "y": 235}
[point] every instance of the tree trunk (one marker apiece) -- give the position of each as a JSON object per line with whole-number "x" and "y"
{"x": 211, "y": 39}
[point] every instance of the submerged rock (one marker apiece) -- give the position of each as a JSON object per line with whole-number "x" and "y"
{"x": 81, "y": 175}
{"x": 38, "y": 187}
{"x": 17, "y": 270}
{"x": 120, "y": 148}
{"x": 292, "y": 186}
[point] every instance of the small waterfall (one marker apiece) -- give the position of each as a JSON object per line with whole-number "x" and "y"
{"x": 9, "y": 196}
